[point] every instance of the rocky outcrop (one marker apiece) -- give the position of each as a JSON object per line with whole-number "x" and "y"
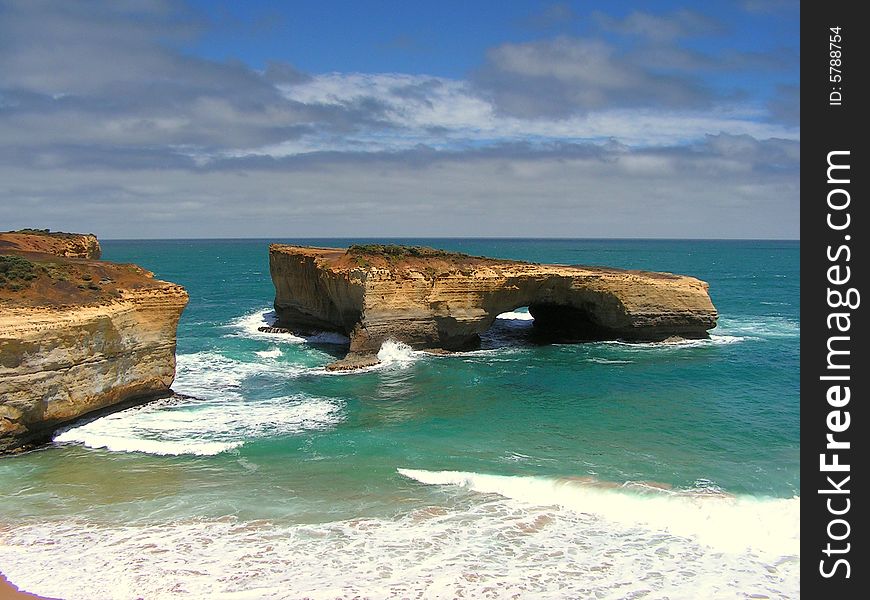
{"x": 433, "y": 299}
{"x": 69, "y": 245}
{"x": 77, "y": 336}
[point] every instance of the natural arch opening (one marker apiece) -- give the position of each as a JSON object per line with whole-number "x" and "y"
{"x": 542, "y": 323}
{"x": 560, "y": 322}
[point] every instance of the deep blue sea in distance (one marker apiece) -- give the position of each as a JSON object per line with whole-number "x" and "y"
{"x": 597, "y": 470}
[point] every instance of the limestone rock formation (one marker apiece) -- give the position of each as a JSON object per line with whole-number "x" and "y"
{"x": 78, "y": 335}
{"x": 434, "y": 299}
{"x": 70, "y": 245}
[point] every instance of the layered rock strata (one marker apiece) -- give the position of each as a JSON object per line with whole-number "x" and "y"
{"x": 69, "y": 245}
{"x": 77, "y": 336}
{"x": 433, "y": 299}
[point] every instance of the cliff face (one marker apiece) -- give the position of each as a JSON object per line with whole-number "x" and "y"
{"x": 433, "y": 299}
{"x": 70, "y": 245}
{"x": 79, "y": 335}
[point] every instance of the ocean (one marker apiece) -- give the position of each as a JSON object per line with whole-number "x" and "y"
{"x": 599, "y": 470}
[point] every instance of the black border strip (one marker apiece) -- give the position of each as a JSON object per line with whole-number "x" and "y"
{"x": 833, "y": 262}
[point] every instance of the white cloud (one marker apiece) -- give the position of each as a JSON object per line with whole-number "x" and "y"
{"x": 704, "y": 190}
{"x": 448, "y": 114}
{"x": 105, "y": 126}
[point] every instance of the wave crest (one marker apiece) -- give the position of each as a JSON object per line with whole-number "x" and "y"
{"x": 725, "y": 522}
{"x": 248, "y": 326}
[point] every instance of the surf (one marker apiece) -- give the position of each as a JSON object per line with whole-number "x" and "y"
{"x": 192, "y": 426}
{"x": 727, "y": 523}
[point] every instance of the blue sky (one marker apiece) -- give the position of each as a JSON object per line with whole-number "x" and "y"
{"x": 150, "y": 118}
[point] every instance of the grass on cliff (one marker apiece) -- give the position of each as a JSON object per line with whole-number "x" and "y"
{"x": 16, "y": 272}
{"x": 49, "y": 233}
{"x": 396, "y": 252}
{"x": 31, "y": 281}
{"x": 430, "y": 262}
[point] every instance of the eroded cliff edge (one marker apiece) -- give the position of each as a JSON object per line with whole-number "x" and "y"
{"x": 431, "y": 299}
{"x": 77, "y": 335}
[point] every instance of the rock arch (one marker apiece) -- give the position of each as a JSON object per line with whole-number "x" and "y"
{"x": 446, "y": 300}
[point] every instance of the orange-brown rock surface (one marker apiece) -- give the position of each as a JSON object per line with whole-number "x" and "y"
{"x": 433, "y": 299}
{"x": 77, "y": 335}
{"x": 70, "y": 245}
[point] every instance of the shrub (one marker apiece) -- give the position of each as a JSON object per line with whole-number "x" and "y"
{"x": 397, "y": 251}
{"x": 14, "y": 270}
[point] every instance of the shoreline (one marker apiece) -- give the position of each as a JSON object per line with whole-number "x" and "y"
{"x": 10, "y": 591}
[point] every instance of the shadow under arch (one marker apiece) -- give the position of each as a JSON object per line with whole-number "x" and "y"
{"x": 542, "y": 323}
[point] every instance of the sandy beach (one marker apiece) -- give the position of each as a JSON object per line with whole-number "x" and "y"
{"x": 8, "y": 591}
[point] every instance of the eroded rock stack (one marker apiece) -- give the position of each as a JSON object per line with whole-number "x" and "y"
{"x": 430, "y": 298}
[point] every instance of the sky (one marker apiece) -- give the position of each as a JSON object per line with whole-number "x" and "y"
{"x": 158, "y": 119}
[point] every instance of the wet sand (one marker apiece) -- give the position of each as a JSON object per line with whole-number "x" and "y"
{"x": 8, "y": 591}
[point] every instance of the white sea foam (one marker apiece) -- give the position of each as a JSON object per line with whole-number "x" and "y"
{"x": 608, "y": 361}
{"x": 273, "y": 352}
{"x": 396, "y": 353}
{"x": 727, "y": 523}
{"x": 211, "y": 375}
{"x": 201, "y": 427}
{"x": 498, "y": 353}
{"x": 760, "y": 327}
{"x": 216, "y": 418}
{"x": 248, "y": 325}
{"x": 516, "y": 316}
{"x": 479, "y": 547}
{"x": 712, "y": 341}
{"x": 120, "y": 443}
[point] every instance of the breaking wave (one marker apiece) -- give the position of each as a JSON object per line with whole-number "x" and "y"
{"x": 482, "y": 546}
{"x": 213, "y": 416}
{"x": 179, "y": 425}
{"x": 727, "y": 523}
{"x": 248, "y": 325}
{"x": 396, "y": 353}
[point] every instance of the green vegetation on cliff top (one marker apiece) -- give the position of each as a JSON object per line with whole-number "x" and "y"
{"x": 398, "y": 251}
{"x": 15, "y": 270}
{"x": 49, "y": 233}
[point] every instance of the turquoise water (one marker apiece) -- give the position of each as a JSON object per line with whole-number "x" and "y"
{"x": 583, "y": 470}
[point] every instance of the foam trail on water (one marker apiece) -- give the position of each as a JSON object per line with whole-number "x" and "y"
{"x": 217, "y": 416}
{"x": 714, "y": 340}
{"x": 608, "y": 361}
{"x": 759, "y": 327}
{"x": 210, "y": 375}
{"x": 273, "y": 352}
{"x": 119, "y": 443}
{"x": 192, "y": 426}
{"x": 248, "y": 326}
{"x": 727, "y": 523}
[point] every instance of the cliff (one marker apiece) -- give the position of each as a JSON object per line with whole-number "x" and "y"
{"x": 77, "y": 335}
{"x": 42, "y": 241}
{"x": 434, "y": 299}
